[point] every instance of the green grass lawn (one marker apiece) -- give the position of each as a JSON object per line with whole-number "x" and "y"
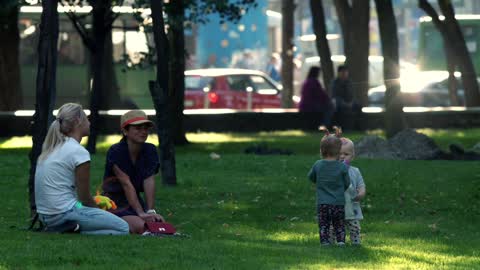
{"x": 258, "y": 212}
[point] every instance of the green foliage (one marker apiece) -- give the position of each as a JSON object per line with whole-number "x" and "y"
{"x": 258, "y": 212}
{"x": 197, "y": 11}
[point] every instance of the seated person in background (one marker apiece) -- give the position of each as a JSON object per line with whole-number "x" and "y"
{"x": 130, "y": 169}
{"x": 342, "y": 91}
{"x": 314, "y": 98}
{"x": 62, "y": 179}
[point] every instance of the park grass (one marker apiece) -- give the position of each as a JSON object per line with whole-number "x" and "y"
{"x": 300, "y": 142}
{"x": 258, "y": 212}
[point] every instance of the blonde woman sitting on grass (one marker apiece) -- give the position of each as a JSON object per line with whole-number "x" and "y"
{"x": 62, "y": 179}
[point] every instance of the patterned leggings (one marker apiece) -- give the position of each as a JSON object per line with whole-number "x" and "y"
{"x": 331, "y": 215}
{"x": 353, "y": 226}
{"x": 354, "y": 229}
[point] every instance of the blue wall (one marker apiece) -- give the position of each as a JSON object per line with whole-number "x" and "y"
{"x": 224, "y": 45}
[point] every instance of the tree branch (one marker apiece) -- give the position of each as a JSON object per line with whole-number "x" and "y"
{"x": 323, "y": 49}
{"x": 430, "y": 11}
{"x": 112, "y": 17}
{"x": 87, "y": 41}
{"x": 343, "y": 12}
{"x": 447, "y": 9}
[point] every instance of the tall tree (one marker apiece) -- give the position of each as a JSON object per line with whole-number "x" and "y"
{"x": 46, "y": 87}
{"x": 176, "y": 19}
{"x": 452, "y": 34}
{"x": 321, "y": 42}
{"x": 354, "y": 19}
{"x": 288, "y": 8}
{"x": 100, "y": 10}
{"x": 162, "y": 97}
{"x": 394, "y": 117}
{"x": 105, "y": 92}
{"x": 11, "y": 93}
{"x": 448, "y": 49}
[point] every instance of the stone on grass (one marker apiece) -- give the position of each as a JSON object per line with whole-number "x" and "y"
{"x": 373, "y": 146}
{"x": 410, "y": 144}
{"x": 407, "y": 144}
{"x": 476, "y": 148}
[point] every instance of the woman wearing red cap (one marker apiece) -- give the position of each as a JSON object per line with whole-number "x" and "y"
{"x": 130, "y": 169}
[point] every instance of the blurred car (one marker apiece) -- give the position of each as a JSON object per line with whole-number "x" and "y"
{"x": 230, "y": 88}
{"x": 422, "y": 89}
{"x": 375, "y": 67}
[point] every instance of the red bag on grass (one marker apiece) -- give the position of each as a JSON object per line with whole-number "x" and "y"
{"x": 160, "y": 227}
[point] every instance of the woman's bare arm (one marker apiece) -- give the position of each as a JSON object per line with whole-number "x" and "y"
{"x": 128, "y": 189}
{"x": 82, "y": 183}
{"x": 149, "y": 189}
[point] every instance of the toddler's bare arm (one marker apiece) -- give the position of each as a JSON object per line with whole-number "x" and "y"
{"x": 361, "y": 191}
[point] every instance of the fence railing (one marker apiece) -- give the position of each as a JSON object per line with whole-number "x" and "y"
{"x": 18, "y": 123}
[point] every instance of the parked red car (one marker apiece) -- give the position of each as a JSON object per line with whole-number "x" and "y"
{"x": 230, "y": 88}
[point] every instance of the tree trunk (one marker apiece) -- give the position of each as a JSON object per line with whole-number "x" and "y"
{"x": 111, "y": 92}
{"x": 288, "y": 8}
{"x": 447, "y": 48}
{"x": 344, "y": 14}
{"x": 11, "y": 92}
{"x": 455, "y": 42}
{"x": 46, "y": 88}
{"x": 323, "y": 49}
{"x": 452, "y": 81}
{"x": 354, "y": 21}
{"x": 100, "y": 9}
{"x": 161, "y": 98}
{"x": 394, "y": 118}
{"x": 177, "y": 71}
{"x": 360, "y": 46}
{"x": 469, "y": 77}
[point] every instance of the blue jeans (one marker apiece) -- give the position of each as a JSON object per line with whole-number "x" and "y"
{"x": 91, "y": 221}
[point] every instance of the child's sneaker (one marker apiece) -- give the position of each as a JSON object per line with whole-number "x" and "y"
{"x": 340, "y": 244}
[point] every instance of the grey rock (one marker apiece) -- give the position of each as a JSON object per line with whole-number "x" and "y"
{"x": 374, "y": 147}
{"x": 407, "y": 144}
{"x": 476, "y": 148}
{"x": 410, "y": 144}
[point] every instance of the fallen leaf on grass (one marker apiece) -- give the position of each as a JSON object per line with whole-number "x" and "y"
{"x": 214, "y": 156}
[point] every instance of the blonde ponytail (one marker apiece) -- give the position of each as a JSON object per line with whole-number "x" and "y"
{"x": 69, "y": 116}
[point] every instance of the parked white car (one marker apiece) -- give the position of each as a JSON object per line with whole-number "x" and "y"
{"x": 421, "y": 88}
